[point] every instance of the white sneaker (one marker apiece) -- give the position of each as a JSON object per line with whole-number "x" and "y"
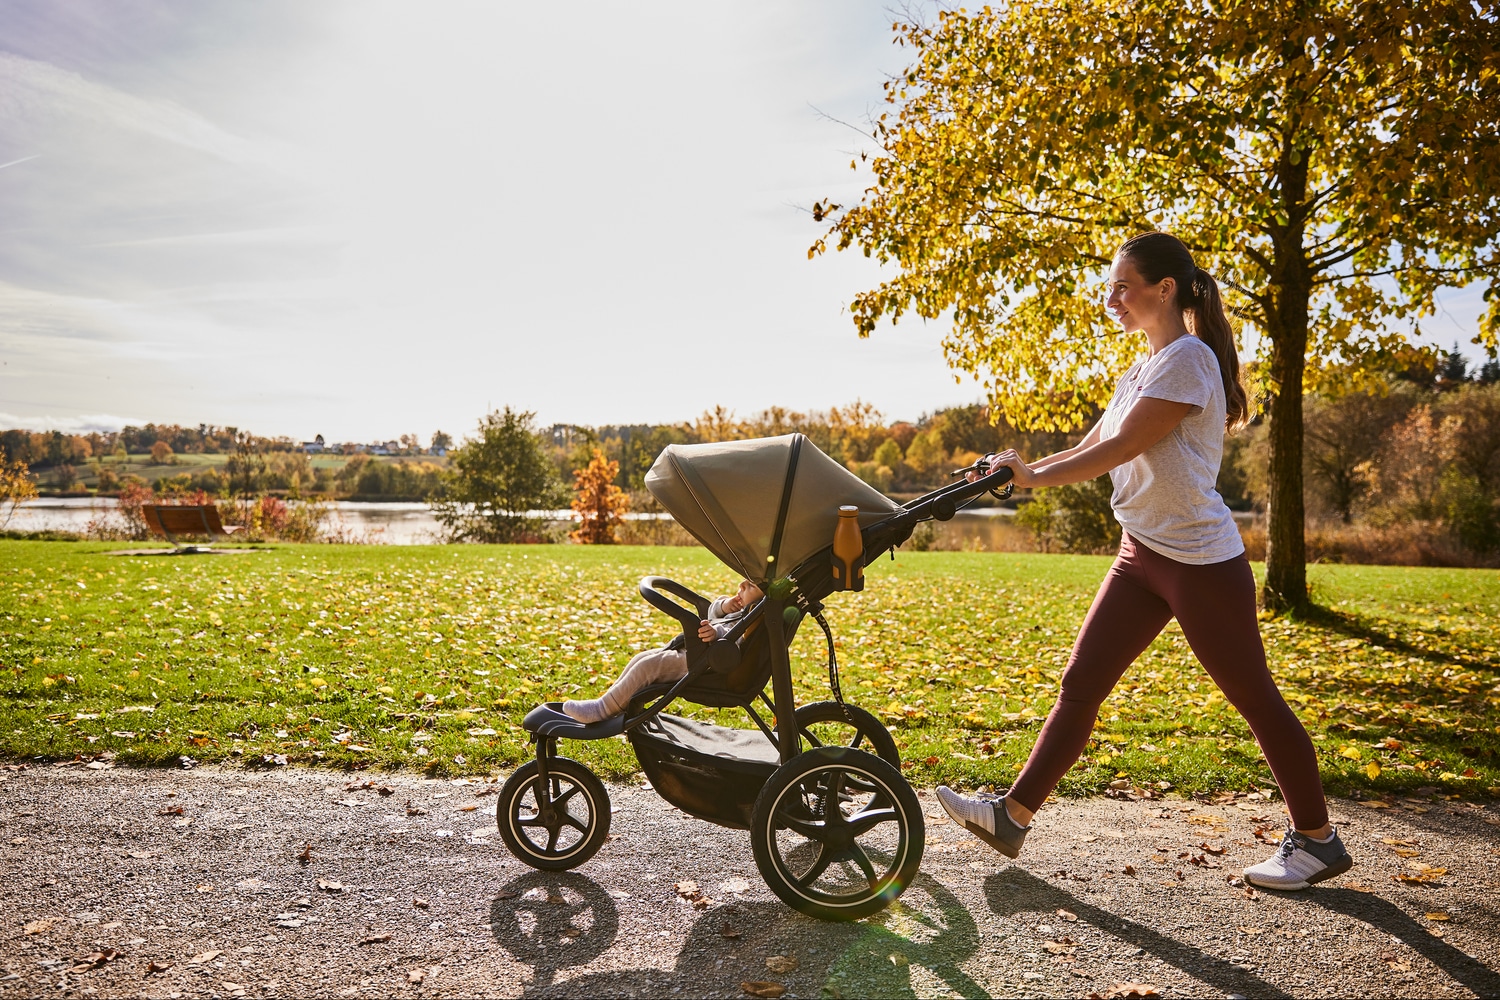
{"x": 985, "y": 817}
{"x": 1300, "y": 861}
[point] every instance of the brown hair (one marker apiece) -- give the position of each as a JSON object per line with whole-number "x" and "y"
{"x": 1159, "y": 255}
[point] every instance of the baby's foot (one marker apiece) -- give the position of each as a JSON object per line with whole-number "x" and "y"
{"x": 587, "y": 712}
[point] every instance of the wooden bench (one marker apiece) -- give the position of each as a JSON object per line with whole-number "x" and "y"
{"x": 170, "y": 520}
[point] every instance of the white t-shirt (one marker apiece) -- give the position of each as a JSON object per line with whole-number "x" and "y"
{"x": 1165, "y": 497}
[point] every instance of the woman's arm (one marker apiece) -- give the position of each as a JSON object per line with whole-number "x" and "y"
{"x": 1148, "y": 421}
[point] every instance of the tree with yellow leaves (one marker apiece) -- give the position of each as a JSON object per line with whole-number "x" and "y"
{"x": 16, "y": 487}
{"x": 600, "y": 504}
{"x": 1334, "y": 163}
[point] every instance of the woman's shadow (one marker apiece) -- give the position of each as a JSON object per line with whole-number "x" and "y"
{"x": 560, "y": 921}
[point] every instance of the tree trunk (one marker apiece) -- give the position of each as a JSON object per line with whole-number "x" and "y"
{"x": 1286, "y": 548}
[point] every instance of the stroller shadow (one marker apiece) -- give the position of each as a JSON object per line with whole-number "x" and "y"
{"x": 558, "y": 921}
{"x": 553, "y": 921}
{"x": 1014, "y": 890}
{"x": 1386, "y": 916}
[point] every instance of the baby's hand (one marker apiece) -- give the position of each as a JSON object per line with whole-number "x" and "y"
{"x": 706, "y": 632}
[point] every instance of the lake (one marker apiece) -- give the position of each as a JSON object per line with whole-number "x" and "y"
{"x": 988, "y": 529}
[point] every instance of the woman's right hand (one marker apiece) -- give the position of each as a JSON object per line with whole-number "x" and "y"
{"x": 1021, "y": 473}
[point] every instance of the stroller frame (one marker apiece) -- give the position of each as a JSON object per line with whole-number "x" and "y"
{"x": 812, "y": 813}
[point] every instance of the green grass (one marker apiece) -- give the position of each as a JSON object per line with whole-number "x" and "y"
{"x": 428, "y": 657}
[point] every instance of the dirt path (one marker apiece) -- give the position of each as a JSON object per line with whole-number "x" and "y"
{"x": 410, "y": 893}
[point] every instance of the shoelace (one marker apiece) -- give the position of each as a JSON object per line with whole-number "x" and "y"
{"x": 1288, "y": 844}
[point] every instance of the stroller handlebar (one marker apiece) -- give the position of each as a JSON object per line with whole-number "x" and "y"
{"x": 651, "y": 590}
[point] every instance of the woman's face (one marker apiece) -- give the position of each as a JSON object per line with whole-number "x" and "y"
{"x": 1132, "y": 301}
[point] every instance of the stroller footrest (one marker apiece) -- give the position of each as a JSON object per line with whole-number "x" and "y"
{"x": 549, "y": 720}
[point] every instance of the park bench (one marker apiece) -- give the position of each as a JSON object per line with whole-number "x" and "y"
{"x": 170, "y": 520}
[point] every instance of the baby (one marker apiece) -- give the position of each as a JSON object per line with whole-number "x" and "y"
{"x": 668, "y": 664}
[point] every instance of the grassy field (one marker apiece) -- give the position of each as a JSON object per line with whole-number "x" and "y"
{"x": 428, "y": 657}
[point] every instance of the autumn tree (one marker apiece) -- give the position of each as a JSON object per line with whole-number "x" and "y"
{"x": 161, "y": 454}
{"x": 16, "y": 487}
{"x": 1333, "y": 163}
{"x": 600, "y": 504}
{"x": 498, "y": 481}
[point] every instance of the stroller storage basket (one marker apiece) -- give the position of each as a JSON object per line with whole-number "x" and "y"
{"x": 707, "y": 771}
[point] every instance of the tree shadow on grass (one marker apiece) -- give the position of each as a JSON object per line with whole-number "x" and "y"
{"x": 1386, "y": 916}
{"x": 1357, "y": 627}
{"x": 1015, "y": 891}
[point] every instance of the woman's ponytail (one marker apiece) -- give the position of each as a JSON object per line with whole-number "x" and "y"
{"x": 1158, "y": 256}
{"x": 1211, "y": 325}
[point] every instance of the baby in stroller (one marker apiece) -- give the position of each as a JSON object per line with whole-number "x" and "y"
{"x": 669, "y": 663}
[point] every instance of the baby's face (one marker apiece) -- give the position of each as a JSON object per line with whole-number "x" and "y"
{"x": 747, "y": 595}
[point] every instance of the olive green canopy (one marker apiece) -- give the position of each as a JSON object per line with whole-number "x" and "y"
{"x": 742, "y": 498}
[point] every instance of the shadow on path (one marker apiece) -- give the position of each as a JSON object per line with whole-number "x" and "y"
{"x": 1390, "y": 918}
{"x": 1014, "y": 890}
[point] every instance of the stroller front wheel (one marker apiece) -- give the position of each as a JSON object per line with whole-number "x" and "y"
{"x": 837, "y": 833}
{"x": 556, "y": 824}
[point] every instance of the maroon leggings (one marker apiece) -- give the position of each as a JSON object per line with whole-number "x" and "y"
{"x": 1215, "y": 605}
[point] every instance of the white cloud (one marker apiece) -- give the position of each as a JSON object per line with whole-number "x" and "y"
{"x": 83, "y": 424}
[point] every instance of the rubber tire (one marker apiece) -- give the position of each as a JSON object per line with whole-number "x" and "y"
{"x": 892, "y": 790}
{"x": 865, "y": 725}
{"x": 527, "y": 779}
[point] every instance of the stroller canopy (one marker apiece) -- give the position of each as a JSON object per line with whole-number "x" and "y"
{"x": 764, "y": 505}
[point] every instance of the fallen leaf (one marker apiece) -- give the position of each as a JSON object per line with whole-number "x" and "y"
{"x": 329, "y": 885}
{"x": 155, "y": 966}
{"x": 207, "y": 956}
{"x": 422, "y": 904}
{"x": 1250, "y": 893}
{"x": 1120, "y": 990}
{"x": 572, "y": 932}
{"x": 171, "y": 811}
{"x": 386, "y": 790}
{"x": 760, "y": 989}
{"x": 1375, "y": 804}
{"x": 1128, "y": 870}
{"x": 306, "y": 854}
{"x": 686, "y": 888}
{"x": 1067, "y": 915}
{"x": 899, "y": 960}
{"x": 1211, "y": 849}
{"x": 782, "y": 964}
{"x": 416, "y": 976}
{"x": 140, "y": 854}
{"x": 1438, "y": 915}
{"x": 41, "y": 926}
{"x": 734, "y": 885}
{"x": 412, "y": 810}
{"x": 95, "y": 959}
{"x": 506, "y": 894}
{"x": 729, "y": 932}
{"x": 1064, "y": 947}
{"x": 376, "y": 939}
{"x": 1252, "y": 930}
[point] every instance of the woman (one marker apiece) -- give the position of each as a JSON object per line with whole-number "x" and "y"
{"x": 1161, "y": 439}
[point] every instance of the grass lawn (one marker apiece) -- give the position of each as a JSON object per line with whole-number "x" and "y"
{"x": 428, "y": 657}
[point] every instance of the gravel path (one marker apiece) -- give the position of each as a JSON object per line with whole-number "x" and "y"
{"x": 296, "y": 882}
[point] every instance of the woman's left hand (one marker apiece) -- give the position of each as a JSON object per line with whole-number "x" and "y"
{"x": 1022, "y": 474}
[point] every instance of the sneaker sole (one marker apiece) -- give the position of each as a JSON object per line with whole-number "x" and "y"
{"x": 1333, "y": 870}
{"x": 991, "y": 839}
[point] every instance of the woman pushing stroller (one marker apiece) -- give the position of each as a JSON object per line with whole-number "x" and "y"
{"x": 1161, "y": 441}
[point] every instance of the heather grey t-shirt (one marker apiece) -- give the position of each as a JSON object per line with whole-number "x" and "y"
{"x": 1165, "y": 497}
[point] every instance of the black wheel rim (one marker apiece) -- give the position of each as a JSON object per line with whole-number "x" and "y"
{"x": 838, "y": 836}
{"x": 553, "y": 819}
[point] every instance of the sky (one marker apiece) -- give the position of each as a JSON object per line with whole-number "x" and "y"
{"x": 366, "y": 219}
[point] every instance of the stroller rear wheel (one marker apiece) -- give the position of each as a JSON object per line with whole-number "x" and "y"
{"x": 556, "y": 824}
{"x": 837, "y": 833}
{"x": 827, "y": 723}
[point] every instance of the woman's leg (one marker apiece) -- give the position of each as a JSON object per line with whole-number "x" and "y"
{"x": 1215, "y": 605}
{"x": 644, "y": 669}
{"x": 1123, "y": 620}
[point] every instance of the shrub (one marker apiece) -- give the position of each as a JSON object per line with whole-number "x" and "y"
{"x": 599, "y": 503}
{"x": 1074, "y": 518}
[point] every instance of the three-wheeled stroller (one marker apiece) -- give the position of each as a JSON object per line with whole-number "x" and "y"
{"x": 836, "y": 830}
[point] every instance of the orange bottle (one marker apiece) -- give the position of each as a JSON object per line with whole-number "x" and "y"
{"x": 848, "y": 551}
